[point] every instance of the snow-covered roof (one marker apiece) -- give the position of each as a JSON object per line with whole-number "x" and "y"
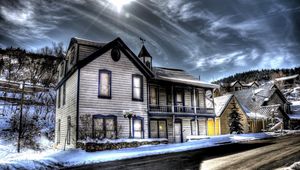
{"x": 287, "y": 78}
{"x": 249, "y": 84}
{"x": 221, "y": 103}
{"x": 179, "y": 76}
{"x": 253, "y": 115}
{"x": 189, "y": 82}
{"x": 294, "y": 116}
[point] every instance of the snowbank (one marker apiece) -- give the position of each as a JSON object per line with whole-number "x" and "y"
{"x": 56, "y": 159}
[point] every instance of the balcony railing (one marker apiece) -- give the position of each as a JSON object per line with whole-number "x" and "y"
{"x": 158, "y": 108}
{"x": 180, "y": 109}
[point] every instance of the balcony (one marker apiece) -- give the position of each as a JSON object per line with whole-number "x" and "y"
{"x": 179, "y": 109}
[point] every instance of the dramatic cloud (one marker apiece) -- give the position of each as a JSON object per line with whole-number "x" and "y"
{"x": 209, "y": 38}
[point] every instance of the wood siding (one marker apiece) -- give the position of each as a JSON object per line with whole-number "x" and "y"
{"x": 121, "y": 92}
{"x": 69, "y": 109}
{"x": 85, "y": 51}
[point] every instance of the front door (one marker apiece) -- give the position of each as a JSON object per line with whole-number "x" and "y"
{"x": 178, "y": 132}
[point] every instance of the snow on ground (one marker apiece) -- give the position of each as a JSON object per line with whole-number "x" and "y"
{"x": 51, "y": 159}
{"x": 294, "y": 166}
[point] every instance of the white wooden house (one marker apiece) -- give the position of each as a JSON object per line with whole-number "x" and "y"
{"x": 99, "y": 82}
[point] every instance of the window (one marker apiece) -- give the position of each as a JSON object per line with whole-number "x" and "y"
{"x": 104, "y": 126}
{"x": 158, "y": 128}
{"x": 104, "y": 89}
{"x": 153, "y": 95}
{"x": 138, "y": 128}
{"x": 137, "y": 87}
{"x": 179, "y": 98}
{"x": 58, "y": 131}
{"x": 193, "y": 127}
{"x": 64, "y": 94}
{"x": 58, "y": 98}
{"x": 69, "y": 130}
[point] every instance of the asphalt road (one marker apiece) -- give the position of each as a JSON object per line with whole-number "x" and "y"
{"x": 261, "y": 154}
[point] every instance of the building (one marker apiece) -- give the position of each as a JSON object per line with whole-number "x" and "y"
{"x": 287, "y": 82}
{"x": 236, "y": 86}
{"x": 106, "y": 91}
{"x": 224, "y": 106}
{"x": 267, "y": 101}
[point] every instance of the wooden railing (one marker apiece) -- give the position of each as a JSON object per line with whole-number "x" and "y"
{"x": 180, "y": 109}
{"x": 158, "y": 108}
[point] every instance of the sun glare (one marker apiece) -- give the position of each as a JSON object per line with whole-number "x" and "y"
{"x": 119, "y": 3}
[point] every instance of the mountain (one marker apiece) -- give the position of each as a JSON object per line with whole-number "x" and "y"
{"x": 260, "y": 75}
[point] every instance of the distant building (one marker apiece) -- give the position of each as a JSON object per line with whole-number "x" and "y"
{"x": 287, "y": 82}
{"x": 235, "y": 86}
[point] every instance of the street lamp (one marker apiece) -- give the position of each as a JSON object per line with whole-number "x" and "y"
{"x": 21, "y": 114}
{"x": 129, "y": 114}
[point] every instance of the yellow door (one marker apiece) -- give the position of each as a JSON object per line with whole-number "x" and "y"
{"x": 210, "y": 127}
{"x": 217, "y": 126}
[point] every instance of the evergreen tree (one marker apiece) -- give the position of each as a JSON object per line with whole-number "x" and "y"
{"x": 235, "y": 124}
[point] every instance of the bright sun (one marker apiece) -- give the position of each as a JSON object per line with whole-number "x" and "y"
{"x": 119, "y": 3}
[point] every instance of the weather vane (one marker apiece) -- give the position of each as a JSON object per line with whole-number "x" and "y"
{"x": 142, "y": 40}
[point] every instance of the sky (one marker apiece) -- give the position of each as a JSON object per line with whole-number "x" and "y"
{"x": 208, "y": 38}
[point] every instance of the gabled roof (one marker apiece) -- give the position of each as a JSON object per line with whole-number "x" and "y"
{"x": 254, "y": 98}
{"x": 221, "y": 103}
{"x": 233, "y": 83}
{"x": 144, "y": 52}
{"x": 115, "y": 43}
{"x": 250, "y": 84}
{"x": 179, "y": 76}
{"x": 287, "y": 78}
{"x": 87, "y": 42}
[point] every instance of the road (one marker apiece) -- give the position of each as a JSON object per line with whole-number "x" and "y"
{"x": 261, "y": 154}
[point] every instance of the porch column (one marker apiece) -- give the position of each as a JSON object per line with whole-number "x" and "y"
{"x": 213, "y": 100}
{"x": 174, "y": 128}
{"x": 172, "y": 107}
{"x": 194, "y": 100}
{"x": 195, "y": 110}
{"x": 172, "y": 98}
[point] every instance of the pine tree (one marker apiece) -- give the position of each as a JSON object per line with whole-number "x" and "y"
{"x": 235, "y": 125}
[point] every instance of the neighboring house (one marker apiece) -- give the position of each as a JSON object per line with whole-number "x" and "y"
{"x": 266, "y": 101}
{"x": 295, "y": 116}
{"x": 253, "y": 84}
{"x": 224, "y": 106}
{"x": 99, "y": 82}
{"x": 287, "y": 82}
{"x": 236, "y": 86}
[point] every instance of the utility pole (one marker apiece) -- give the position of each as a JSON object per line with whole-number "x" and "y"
{"x": 21, "y": 114}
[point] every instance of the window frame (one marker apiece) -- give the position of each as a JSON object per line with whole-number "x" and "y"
{"x": 104, "y": 117}
{"x": 64, "y": 94}
{"x": 141, "y": 99}
{"x": 138, "y": 118}
{"x": 157, "y": 121}
{"x": 68, "y": 130}
{"x": 58, "y": 99}
{"x": 192, "y": 127}
{"x": 58, "y": 131}
{"x": 99, "y": 83}
{"x": 156, "y": 93}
